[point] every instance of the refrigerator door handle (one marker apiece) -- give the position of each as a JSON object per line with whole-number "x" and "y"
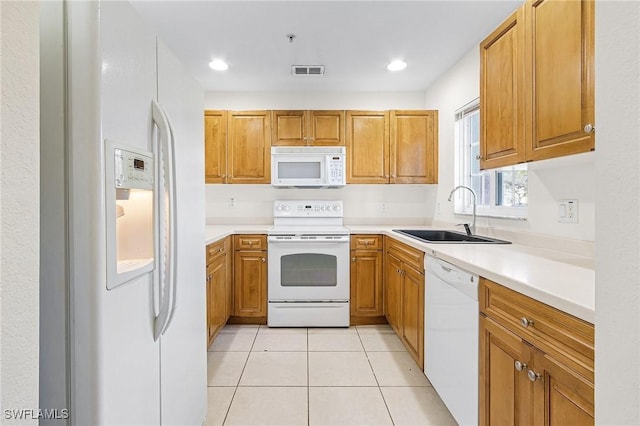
{"x": 167, "y": 220}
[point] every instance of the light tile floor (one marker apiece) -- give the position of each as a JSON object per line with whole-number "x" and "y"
{"x": 318, "y": 376}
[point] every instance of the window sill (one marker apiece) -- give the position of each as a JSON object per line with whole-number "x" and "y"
{"x": 492, "y": 216}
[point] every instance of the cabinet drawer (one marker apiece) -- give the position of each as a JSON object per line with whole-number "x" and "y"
{"x": 215, "y": 250}
{"x": 557, "y": 333}
{"x": 409, "y": 255}
{"x": 250, "y": 242}
{"x": 366, "y": 242}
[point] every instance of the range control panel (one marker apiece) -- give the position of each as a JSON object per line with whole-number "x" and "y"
{"x": 307, "y": 208}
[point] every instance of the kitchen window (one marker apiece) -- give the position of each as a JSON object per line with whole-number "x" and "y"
{"x": 501, "y": 192}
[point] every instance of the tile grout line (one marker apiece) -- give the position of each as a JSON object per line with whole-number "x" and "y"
{"x": 308, "y": 384}
{"x": 239, "y": 378}
{"x": 366, "y": 353}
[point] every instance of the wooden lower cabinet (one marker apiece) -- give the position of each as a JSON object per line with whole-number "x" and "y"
{"x": 561, "y": 396}
{"x": 393, "y": 293}
{"x": 366, "y": 302}
{"x": 250, "y": 281}
{"x": 404, "y": 295}
{"x": 505, "y": 393}
{"x": 537, "y": 370}
{"x": 218, "y": 286}
{"x": 413, "y": 313}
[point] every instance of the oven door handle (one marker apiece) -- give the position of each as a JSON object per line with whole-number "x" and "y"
{"x": 309, "y": 239}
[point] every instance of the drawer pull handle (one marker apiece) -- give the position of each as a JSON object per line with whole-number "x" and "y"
{"x": 526, "y": 322}
{"x": 533, "y": 376}
{"x": 520, "y": 366}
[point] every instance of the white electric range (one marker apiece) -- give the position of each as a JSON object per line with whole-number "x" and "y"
{"x": 308, "y": 280}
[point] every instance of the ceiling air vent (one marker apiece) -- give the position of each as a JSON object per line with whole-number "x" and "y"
{"x": 307, "y": 69}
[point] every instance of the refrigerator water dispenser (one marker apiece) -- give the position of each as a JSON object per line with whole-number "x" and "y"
{"x": 129, "y": 191}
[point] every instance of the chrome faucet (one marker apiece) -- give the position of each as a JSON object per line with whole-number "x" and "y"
{"x": 473, "y": 225}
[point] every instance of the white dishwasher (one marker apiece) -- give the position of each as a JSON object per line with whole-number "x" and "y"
{"x": 451, "y": 337}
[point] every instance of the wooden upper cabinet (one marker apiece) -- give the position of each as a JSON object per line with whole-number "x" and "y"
{"x": 249, "y": 144}
{"x": 306, "y": 128}
{"x": 414, "y": 146}
{"x": 537, "y": 84}
{"x": 367, "y": 146}
{"x": 289, "y": 128}
{"x": 560, "y": 74}
{"x": 326, "y": 128}
{"x": 215, "y": 146}
{"x": 501, "y": 94}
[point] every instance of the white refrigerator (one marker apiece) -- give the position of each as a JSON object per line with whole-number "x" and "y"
{"x": 130, "y": 352}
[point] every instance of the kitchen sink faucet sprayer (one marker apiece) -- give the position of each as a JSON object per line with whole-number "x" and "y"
{"x": 473, "y": 225}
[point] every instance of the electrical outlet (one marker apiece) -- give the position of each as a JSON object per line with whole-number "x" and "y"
{"x": 568, "y": 211}
{"x": 232, "y": 202}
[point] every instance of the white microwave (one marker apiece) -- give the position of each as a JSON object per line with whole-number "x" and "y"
{"x": 312, "y": 166}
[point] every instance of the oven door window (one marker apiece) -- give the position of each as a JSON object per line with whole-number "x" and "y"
{"x": 309, "y": 270}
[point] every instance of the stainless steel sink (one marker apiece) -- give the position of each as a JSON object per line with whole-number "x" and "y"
{"x": 448, "y": 237}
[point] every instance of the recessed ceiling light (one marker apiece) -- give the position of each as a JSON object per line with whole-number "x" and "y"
{"x": 396, "y": 65}
{"x": 218, "y": 65}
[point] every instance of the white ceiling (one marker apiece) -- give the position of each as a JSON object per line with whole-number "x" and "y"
{"x": 353, "y": 39}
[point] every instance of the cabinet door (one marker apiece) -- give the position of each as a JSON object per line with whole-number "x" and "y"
{"x": 215, "y": 146}
{"x": 210, "y": 311}
{"x": 560, "y": 77}
{"x": 393, "y": 292}
{"x": 414, "y": 147}
{"x": 506, "y": 393}
{"x": 250, "y": 283}
{"x": 367, "y": 147}
{"x": 366, "y": 283}
{"x": 229, "y": 278}
{"x": 249, "y": 136}
{"x": 561, "y": 396}
{"x": 413, "y": 313}
{"x": 218, "y": 295}
{"x": 502, "y": 140}
{"x": 326, "y": 128}
{"x": 289, "y": 128}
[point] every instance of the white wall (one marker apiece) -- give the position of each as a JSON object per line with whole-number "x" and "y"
{"x": 363, "y": 204}
{"x": 617, "y": 181}
{"x": 19, "y": 208}
{"x": 314, "y": 100}
{"x": 549, "y": 181}
{"x": 401, "y": 204}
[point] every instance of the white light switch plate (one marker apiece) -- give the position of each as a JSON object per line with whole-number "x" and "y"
{"x": 568, "y": 211}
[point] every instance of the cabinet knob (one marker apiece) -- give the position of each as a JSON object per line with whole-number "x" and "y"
{"x": 526, "y": 322}
{"x": 264, "y": 260}
{"x": 223, "y": 176}
{"x": 393, "y": 176}
{"x": 353, "y": 259}
{"x": 533, "y": 376}
{"x": 520, "y": 365}
{"x": 386, "y": 176}
{"x": 589, "y": 128}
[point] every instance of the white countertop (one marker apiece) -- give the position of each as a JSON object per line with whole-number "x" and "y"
{"x": 554, "y": 278}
